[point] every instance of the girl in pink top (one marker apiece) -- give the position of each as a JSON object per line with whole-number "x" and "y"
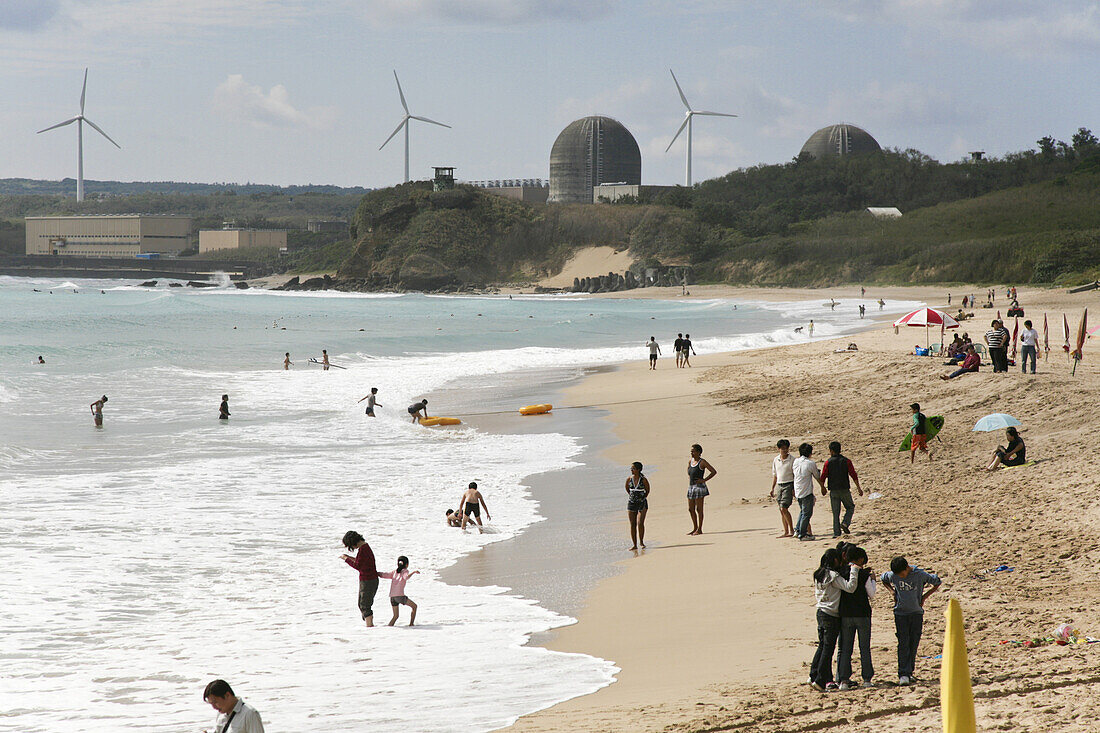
{"x": 398, "y": 578}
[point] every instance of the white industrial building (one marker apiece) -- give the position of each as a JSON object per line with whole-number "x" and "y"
{"x": 109, "y": 235}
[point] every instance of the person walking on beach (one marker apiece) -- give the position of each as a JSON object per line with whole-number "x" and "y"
{"x": 223, "y": 408}
{"x": 697, "y": 486}
{"x": 835, "y": 475}
{"x": 918, "y": 439}
{"x": 678, "y": 347}
{"x": 805, "y": 473}
{"x": 654, "y": 350}
{"x": 368, "y": 573}
{"x": 637, "y": 504}
{"x": 397, "y": 579}
{"x": 855, "y": 619}
{"x": 829, "y": 583}
{"x": 419, "y": 410}
{"x": 324, "y": 360}
{"x": 688, "y": 350}
{"x": 907, "y": 583}
{"x": 286, "y": 362}
{"x": 97, "y": 411}
{"x": 996, "y": 338}
{"x": 470, "y": 505}
{"x": 810, "y": 330}
{"x": 783, "y": 480}
{"x": 234, "y": 715}
{"x": 862, "y": 310}
{"x": 1029, "y": 341}
{"x": 372, "y": 401}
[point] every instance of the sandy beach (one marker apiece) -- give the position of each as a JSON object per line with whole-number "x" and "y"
{"x": 715, "y": 632}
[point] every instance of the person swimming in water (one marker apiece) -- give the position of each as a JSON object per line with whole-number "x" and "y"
{"x": 470, "y": 505}
{"x": 417, "y": 408}
{"x": 223, "y": 409}
{"x": 372, "y": 401}
{"x": 97, "y": 410}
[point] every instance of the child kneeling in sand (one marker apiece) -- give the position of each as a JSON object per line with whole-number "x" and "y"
{"x": 398, "y": 578}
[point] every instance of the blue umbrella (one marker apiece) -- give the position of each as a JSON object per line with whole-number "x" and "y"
{"x": 996, "y": 421}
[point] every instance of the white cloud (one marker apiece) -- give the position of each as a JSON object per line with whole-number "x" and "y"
{"x": 488, "y": 12}
{"x": 237, "y": 99}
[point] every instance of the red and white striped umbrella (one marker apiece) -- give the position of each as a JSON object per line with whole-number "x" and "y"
{"x": 924, "y": 317}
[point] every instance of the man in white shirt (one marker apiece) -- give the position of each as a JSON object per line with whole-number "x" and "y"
{"x": 783, "y": 479}
{"x": 805, "y": 471}
{"x": 1029, "y": 341}
{"x": 234, "y": 716}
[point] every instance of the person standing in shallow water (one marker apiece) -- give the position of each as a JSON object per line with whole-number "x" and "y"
{"x": 637, "y": 504}
{"x": 286, "y": 362}
{"x": 698, "y": 469}
{"x": 368, "y": 573}
{"x": 97, "y": 411}
{"x": 223, "y": 409}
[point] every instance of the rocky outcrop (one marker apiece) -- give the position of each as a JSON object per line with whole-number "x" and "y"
{"x": 649, "y": 277}
{"x": 149, "y": 284}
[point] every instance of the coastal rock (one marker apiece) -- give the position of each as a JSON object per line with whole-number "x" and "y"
{"x": 313, "y": 283}
{"x": 423, "y": 272}
{"x": 149, "y": 284}
{"x": 197, "y": 284}
{"x": 175, "y": 285}
{"x": 240, "y": 285}
{"x": 292, "y": 284}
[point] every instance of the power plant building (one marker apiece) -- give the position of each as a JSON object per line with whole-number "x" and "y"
{"x": 590, "y": 152}
{"x": 112, "y": 235}
{"x": 214, "y": 239}
{"x": 842, "y": 139}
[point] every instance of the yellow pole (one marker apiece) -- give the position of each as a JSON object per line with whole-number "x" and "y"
{"x": 956, "y": 697}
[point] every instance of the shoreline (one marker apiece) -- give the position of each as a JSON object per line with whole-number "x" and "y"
{"x": 691, "y": 656}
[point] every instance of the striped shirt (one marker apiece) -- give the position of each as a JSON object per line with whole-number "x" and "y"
{"x": 995, "y": 338}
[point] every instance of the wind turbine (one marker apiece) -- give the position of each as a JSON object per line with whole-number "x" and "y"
{"x": 405, "y": 123}
{"x": 80, "y": 119}
{"x": 687, "y": 123}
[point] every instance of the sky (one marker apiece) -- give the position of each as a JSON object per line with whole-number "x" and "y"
{"x": 302, "y": 91}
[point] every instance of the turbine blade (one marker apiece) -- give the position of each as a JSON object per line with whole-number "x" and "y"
{"x": 425, "y": 119}
{"x": 60, "y": 124}
{"x": 715, "y": 114}
{"x": 101, "y": 132}
{"x": 682, "y": 126}
{"x": 682, "y": 97}
{"x": 404, "y": 121}
{"x": 399, "y": 92}
{"x": 83, "y": 90}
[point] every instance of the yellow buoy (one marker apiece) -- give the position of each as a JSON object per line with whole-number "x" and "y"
{"x": 535, "y": 409}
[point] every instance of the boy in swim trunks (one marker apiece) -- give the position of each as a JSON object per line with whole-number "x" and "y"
{"x": 417, "y": 408}
{"x": 470, "y": 506}
{"x": 919, "y": 430}
{"x": 372, "y": 401}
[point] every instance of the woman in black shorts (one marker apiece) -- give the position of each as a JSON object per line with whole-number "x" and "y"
{"x": 1015, "y": 454}
{"x": 637, "y": 504}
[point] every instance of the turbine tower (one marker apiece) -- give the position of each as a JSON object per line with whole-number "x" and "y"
{"x": 687, "y": 123}
{"x": 80, "y": 119}
{"x": 405, "y": 123}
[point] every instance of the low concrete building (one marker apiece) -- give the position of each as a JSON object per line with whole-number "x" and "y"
{"x": 612, "y": 192}
{"x": 531, "y": 190}
{"x": 317, "y": 226}
{"x": 213, "y": 239}
{"x": 112, "y": 235}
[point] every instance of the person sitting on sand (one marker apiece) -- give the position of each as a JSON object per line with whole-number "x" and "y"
{"x": 970, "y": 363}
{"x": 637, "y": 504}
{"x": 697, "y": 487}
{"x": 419, "y": 410}
{"x": 470, "y": 506}
{"x": 1015, "y": 454}
{"x": 957, "y": 348}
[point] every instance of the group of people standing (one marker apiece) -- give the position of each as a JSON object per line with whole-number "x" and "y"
{"x": 637, "y": 487}
{"x": 793, "y": 480}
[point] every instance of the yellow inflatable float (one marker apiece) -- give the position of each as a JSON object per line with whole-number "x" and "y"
{"x": 433, "y": 421}
{"x": 535, "y": 409}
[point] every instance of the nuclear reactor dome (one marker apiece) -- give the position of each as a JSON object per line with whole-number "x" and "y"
{"x": 840, "y": 140}
{"x": 591, "y": 151}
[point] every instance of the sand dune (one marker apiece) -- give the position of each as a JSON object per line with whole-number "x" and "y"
{"x": 590, "y": 262}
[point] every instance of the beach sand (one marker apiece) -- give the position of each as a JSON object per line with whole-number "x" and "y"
{"x": 715, "y": 632}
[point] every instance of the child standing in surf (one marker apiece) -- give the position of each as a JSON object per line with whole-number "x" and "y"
{"x": 397, "y": 579}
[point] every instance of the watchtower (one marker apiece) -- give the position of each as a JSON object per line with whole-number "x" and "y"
{"x": 444, "y": 178}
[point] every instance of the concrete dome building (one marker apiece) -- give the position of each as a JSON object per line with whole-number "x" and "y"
{"x": 842, "y": 139}
{"x": 591, "y": 151}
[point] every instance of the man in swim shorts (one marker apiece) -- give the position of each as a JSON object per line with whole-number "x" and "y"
{"x": 372, "y": 401}
{"x": 417, "y": 408}
{"x": 654, "y": 350}
{"x": 470, "y": 505}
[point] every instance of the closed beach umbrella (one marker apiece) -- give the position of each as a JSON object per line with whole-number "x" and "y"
{"x": 1046, "y": 338}
{"x": 1015, "y": 333}
{"x": 996, "y": 421}
{"x": 1078, "y": 353}
{"x": 1065, "y": 331}
{"x": 926, "y": 317}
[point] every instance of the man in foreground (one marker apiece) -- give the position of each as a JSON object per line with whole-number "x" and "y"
{"x": 234, "y": 715}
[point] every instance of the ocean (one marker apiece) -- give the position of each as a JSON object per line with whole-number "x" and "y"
{"x": 168, "y": 548}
